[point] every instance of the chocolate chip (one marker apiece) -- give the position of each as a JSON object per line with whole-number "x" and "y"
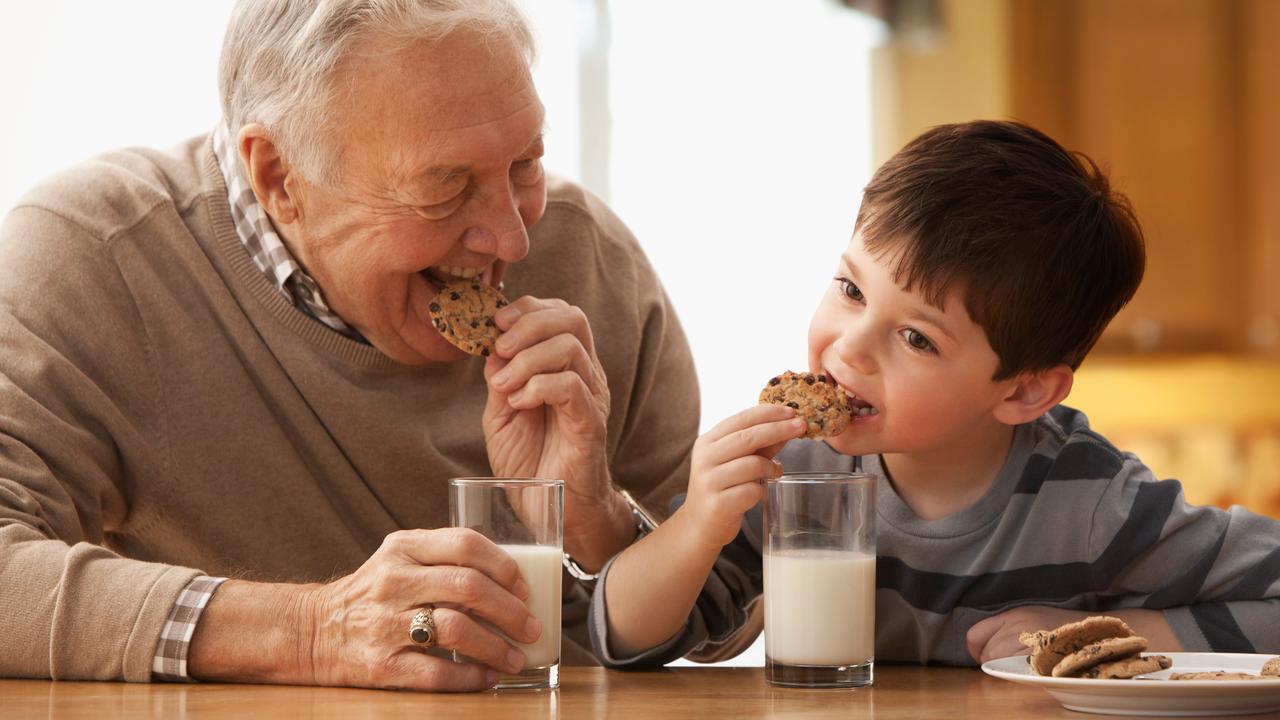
{"x": 484, "y": 352}
{"x": 808, "y": 379}
{"x": 434, "y": 307}
{"x": 795, "y": 406}
{"x": 475, "y": 324}
{"x": 488, "y": 322}
{"x": 475, "y": 286}
{"x": 454, "y": 296}
{"x": 774, "y": 381}
{"x": 822, "y": 379}
{"x": 502, "y": 303}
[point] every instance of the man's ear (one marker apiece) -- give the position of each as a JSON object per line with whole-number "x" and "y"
{"x": 1033, "y": 394}
{"x": 273, "y": 181}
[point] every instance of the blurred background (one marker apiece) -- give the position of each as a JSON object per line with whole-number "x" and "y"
{"x": 735, "y": 137}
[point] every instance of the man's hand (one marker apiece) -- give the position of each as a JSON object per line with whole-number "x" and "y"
{"x": 355, "y": 631}
{"x": 547, "y": 414}
{"x": 729, "y": 461}
{"x": 997, "y": 636}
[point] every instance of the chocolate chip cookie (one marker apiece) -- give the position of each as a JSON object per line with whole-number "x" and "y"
{"x": 1050, "y": 647}
{"x": 823, "y": 405}
{"x": 463, "y": 313}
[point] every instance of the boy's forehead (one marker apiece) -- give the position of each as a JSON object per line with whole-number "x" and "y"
{"x": 888, "y": 262}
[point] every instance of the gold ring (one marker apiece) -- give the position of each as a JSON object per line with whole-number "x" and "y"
{"x": 422, "y": 630}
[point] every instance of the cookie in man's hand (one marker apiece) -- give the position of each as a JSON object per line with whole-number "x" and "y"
{"x": 819, "y": 401}
{"x": 463, "y": 313}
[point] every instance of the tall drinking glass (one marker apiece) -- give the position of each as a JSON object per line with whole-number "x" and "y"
{"x": 820, "y": 579}
{"x": 524, "y": 517}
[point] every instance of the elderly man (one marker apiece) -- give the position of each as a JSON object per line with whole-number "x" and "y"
{"x": 217, "y": 362}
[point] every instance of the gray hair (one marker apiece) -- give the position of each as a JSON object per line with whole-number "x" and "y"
{"x": 279, "y": 58}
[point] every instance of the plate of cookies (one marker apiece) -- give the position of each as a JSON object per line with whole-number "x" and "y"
{"x": 1099, "y": 665}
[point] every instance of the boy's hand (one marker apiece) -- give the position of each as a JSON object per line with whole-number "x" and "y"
{"x": 728, "y": 463}
{"x": 997, "y": 636}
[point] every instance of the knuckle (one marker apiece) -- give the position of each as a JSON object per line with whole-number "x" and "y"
{"x": 465, "y": 584}
{"x": 449, "y": 628}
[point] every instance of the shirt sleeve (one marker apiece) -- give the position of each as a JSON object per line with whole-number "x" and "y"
{"x": 1214, "y": 572}
{"x": 726, "y": 617}
{"x": 170, "y": 662}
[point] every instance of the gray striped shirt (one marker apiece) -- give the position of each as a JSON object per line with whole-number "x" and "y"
{"x": 1070, "y": 522}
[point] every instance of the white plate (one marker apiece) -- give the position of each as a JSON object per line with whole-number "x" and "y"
{"x": 1157, "y": 695}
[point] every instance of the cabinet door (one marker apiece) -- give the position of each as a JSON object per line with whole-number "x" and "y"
{"x": 1150, "y": 89}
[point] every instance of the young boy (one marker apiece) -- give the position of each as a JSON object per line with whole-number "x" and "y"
{"x": 985, "y": 262}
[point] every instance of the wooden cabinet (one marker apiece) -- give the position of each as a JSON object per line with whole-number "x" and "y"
{"x": 1180, "y": 101}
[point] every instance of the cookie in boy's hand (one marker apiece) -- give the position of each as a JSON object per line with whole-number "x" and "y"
{"x": 820, "y": 402}
{"x": 463, "y": 313}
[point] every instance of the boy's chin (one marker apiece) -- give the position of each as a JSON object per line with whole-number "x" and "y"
{"x": 851, "y": 442}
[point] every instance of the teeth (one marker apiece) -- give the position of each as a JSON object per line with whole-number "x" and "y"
{"x": 864, "y": 412}
{"x": 465, "y": 273}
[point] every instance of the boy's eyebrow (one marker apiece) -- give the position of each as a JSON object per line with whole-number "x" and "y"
{"x": 915, "y": 313}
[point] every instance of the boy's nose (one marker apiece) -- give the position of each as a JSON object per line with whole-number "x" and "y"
{"x": 854, "y": 349}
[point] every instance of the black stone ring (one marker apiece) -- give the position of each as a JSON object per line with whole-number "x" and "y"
{"x": 422, "y": 631}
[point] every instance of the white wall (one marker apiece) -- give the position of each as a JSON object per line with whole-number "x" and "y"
{"x": 740, "y": 139}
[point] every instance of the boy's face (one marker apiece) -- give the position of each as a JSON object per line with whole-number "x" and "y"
{"x": 926, "y": 372}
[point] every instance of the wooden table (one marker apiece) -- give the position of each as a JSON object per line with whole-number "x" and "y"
{"x": 684, "y": 693}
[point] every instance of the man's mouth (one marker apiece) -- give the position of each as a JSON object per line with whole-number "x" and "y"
{"x": 439, "y": 275}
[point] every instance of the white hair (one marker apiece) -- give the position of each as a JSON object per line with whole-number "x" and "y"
{"x": 279, "y": 58}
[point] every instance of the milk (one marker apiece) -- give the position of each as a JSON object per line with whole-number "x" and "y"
{"x": 819, "y": 607}
{"x": 540, "y": 565}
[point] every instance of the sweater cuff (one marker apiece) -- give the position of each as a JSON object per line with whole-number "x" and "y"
{"x": 1187, "y": 629}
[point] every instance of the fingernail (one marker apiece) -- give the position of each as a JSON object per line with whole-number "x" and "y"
{"x": 521, "y": 589}
{"x": 798, "y": 424}
{"x": 502, "y": 377}
{"x": 515, "y": 396}
{"x": 515, "y": 660}
{"x": 491, "y": 677}
{"x": 532, "y": 628}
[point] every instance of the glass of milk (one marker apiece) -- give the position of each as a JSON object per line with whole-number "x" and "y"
{"x": 820, "y": 579}
{"x": 524, "y": 517}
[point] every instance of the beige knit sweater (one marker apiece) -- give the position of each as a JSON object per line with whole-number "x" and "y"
{"x": 165, "y": 411}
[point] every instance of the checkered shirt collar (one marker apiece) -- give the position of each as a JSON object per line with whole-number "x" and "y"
{"x": 264, "y": 245}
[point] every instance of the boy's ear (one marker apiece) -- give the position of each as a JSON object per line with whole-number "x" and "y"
{"x": 1033, "y": 394}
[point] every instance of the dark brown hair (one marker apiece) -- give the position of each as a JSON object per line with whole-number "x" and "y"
{"x": 1045, "y": 251}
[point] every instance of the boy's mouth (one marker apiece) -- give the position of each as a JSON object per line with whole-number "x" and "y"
{"x": 861, "y": 408}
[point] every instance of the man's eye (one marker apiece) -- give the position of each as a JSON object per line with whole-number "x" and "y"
{"x": 527, "y": 171}
{"x": 918, "y": 341}
{"x": 851, "y": 291}
{"x": 442, "y": 210}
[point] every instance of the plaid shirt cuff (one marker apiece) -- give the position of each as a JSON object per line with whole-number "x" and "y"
{"x": 170, "y": 663}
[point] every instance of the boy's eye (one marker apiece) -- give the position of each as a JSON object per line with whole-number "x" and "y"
{"x": 851, "y": 291}
{"x": 917, "y": 341}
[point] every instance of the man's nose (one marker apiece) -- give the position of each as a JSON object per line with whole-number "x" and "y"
{"x": 500, "y": 233}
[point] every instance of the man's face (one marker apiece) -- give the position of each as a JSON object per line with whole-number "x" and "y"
{"x": 926, "y": 372}
{"x": 439, "y": 148}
